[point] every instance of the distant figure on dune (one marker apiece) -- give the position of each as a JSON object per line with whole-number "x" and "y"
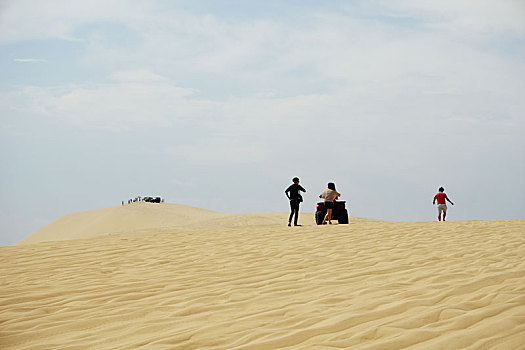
{"x": 295, "y": 198}
{"x": 441, "y": 198}
{"x": 329, "y": 195}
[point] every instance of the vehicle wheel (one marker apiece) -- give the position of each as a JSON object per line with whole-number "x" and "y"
{"x": 343, "y": 217}
{"x": 319, "y": 217}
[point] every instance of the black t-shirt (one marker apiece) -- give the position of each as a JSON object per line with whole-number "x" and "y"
{"x": 294, "y": 191}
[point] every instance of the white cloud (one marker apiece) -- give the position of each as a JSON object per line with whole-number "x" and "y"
{"x": 28, "y": 60}
{"x": 134, "y": 100}
{"x": 60, "y": 18}
{"x": 271, "y": 76}
{"x": 140, "y": 75}
{"x": 482, "y": 16}
{"x": 222, "y": 151}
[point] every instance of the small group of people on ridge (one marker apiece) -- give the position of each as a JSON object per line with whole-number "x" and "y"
{"x": 292, "y": 192}
{"x": 330, "y": 195}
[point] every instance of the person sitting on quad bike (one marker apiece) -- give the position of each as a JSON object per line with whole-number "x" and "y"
{"x": 329, "y": 195}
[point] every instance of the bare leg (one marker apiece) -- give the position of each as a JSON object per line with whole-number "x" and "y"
{"x": 439, "y": 217}
{"x": 328, "y": 216}
{"x": 444, "y": 215}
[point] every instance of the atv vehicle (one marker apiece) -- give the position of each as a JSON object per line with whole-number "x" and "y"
{"x": 339, "y": 212}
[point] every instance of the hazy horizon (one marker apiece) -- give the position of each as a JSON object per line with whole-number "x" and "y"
{"x": 220, "y": 105}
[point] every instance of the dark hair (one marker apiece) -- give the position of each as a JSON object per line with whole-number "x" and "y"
{"x": 331, "y": 186}
{"x": 441, "y": 189}
{"x": 295, "y": 179}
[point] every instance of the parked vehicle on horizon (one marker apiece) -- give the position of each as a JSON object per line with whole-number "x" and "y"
{"x": 339, "y": 212}
{"x": 152, "y": 199}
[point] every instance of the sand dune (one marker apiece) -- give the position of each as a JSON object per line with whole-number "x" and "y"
{"x": 129, "y": 218}
{"x": 248, "y": 282}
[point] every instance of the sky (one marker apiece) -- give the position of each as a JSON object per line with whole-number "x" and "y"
{"x": 219, "y": 104}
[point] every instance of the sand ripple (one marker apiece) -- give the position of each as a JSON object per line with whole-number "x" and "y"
{"x": 367, "y": 285}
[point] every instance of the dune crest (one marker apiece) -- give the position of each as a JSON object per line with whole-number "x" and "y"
{"x": 142, "y": 217}
{"x": 128, "y": 218}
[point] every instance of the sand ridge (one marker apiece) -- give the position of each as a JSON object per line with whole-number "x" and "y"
{"x": 366, "y": 285}
{"x": 142, "y": 217}
{"x": 128, "y": 218}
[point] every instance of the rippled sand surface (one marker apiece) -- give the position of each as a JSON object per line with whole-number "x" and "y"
{"x": 250, "y": 282}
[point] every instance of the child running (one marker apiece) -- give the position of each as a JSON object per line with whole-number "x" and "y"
{"x": 441, "y": 198}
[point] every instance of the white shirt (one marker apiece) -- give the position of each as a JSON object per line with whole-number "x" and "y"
{"x": 330, "y": 195}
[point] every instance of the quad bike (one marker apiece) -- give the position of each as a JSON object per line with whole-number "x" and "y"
{"x": 339, "y": 212}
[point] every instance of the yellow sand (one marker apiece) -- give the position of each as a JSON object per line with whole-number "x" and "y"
{"x": 184, "y": 278}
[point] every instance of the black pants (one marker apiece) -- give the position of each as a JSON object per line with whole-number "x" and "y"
{"x": 294, "y": 208}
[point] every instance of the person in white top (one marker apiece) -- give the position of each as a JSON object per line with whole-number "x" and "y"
{"x": 329, "y": 195}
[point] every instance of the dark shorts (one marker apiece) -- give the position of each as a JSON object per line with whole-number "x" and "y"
{"x": 329, "y": 205}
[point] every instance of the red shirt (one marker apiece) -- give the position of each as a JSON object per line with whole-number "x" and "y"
{"x": 441, "y": 196}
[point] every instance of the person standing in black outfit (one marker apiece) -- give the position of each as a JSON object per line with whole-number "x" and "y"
{"x": 292, "y": 192}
